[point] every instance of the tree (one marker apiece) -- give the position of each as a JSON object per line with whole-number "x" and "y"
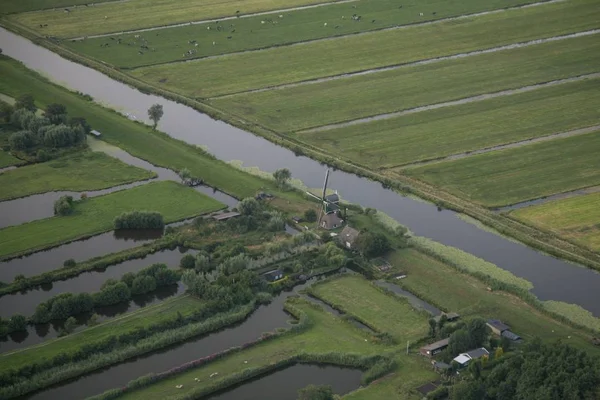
{"x": 17, "y": 323}
{"x": 56, "y": 113}
{"x": 499, "y": 352}
{"x": 69, "y": 263}
{"x": 505, "y": 343}
{"x": 21, "y": 140}
{"x": 93, "y": 320}
{"x": 475, "y": 369}
{"x": 155, "y": 113}
{"x": 6, "y": 111}
{"x": 82, "y": 122}
{"x": 248, "y": 206}
{"x": 143, "y": 284}
{"x": 282, "y": 176}
{"x": 314, "y": 392}
{"x": 112, "y": 294}
{"x": 478, "y": 332}
{"x": 372, "y": 244}
{"x": 432, "y": 327}
{"x": 202, "y": 263}
{"x": 70, "y": 325}
{"x": 310, "y": 215}
{"x": 63, "y": 206}
{"x": 25, "y": 101}
{"x": 188, "y": 261}
{"x": 467, "y": 391}
{"x": 459, "y": 342}
{"x": 185, "y": 175}
{"x": 441, "y": 322}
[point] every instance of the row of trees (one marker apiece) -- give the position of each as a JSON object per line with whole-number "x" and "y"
{"x": 139, "y": 220}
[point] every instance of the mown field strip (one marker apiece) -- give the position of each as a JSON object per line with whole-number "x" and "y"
{"x": 277, "y": 66}
{"x": 18, "y": 6}
{"x": 513, "y": 145}
{"x": 546, "y": 199}
{"x": 466, "y": 100}
{"x": 138, "y": 14}
{"x": 445, "y": 131}
{"x": 515, "y": 175}
{"x": 416, "y": 63}
{"x": 576, "y": 218}
{"x": 254, "y": 32}
{"x": 389, "y": 94}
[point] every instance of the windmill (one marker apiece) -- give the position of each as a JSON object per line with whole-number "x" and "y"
{"x": 329, "y": 203}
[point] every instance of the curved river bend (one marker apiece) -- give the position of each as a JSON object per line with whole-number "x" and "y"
{"x": 553, "y": 279}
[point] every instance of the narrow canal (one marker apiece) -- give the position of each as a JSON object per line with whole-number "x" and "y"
{"x": 553, "y": 279}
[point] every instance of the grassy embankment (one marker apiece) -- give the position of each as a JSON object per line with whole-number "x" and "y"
{"x": 142, "y": 318}
{"x": 292, "y": 27}
{"x": 450, "y": 290}
{"x": 6, "y": 160}
{"x": 75, "y": 172}
{"x": 308, "y": 106}
{"x": 325, "y": 334}
{"x": 141, "y": 141}
{"x": 281, "y": 65}
{"x": 381, "y": 312}
{"x": 432, "y": 134}
{"x": 575, "y": 218}
{"x": 511, "y": 176}
{"x": 17, "y": 6}
{"x": 95, "y": 215}
{"x": 137, "y": 14}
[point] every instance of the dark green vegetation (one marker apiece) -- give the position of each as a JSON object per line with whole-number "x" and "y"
{"x": 292, "y": 27}
{"x": 510, "y": 176}
{"x": 539, "y": 371}
{"x": 308, "y": 106}
{"x": 74, "y": 172}
{"x": 95, "y": 215}
{"x": 17, "y": 6}
{"x": 6, "y": 160}
{"x": 139, "y": 220}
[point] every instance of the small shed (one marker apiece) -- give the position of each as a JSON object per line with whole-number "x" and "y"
{"x": 511, "y": 335}
{"x": 348, "y": 237}
{"x": 297, "y": 219}
{"x": 449, "y": 317}
{"x": 464, "y": 358}
{"x": 434, "y": 348}
{"x": 440, "y": 365}
{"x": 226, "y": 216}
{"x": 331, "y": 221}
{"x": 497, "y": 326}
{"x": 273, "y": 275}
{"x": 95, "y": 133}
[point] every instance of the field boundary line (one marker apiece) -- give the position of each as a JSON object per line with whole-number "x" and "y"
{"x": 393, "y": 67}
{"x": 229, "y": 18}
{"x": 545, "y": 199}
{"x": 510, "y": 145}
{"x": 465, "y": 100}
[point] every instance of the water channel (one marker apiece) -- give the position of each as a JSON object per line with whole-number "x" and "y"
{"x": 553, "y": 279}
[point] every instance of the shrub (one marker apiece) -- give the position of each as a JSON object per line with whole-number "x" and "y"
{"x": 70, "y": 324}
{"x": 42, "y": 156}
{"x": 188, "y": 261}
{"x": 143, "y": 284}
{"x": 248, "y": 206}
{"x": 139, "y": 220}
{"x": 310, "y": 215}
{"x": 112, "y": 294}
{"x": 63, "y": 206}
{"x": 6, "y": 111}
{"x": 22, "y": 140}
{"x": 69, "y": 263}
{"x": 63, "y": 136}
{"x": 25, "y": 101}
{"x": 17, "y": 323}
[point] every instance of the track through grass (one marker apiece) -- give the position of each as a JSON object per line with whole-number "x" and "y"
{"x": 75, "y": 172}
{"x": 243, "y": 34}
{"x": 576, "y": 218}
{"x": 308, "y": 106}
{"x": 258, "y": 69}
{"x": 95, "y": 215}
{"x": 515, "y": 175}
{"x": 441, "y": 132}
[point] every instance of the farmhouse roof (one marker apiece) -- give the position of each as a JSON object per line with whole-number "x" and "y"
{"x": 477, "y": 353}
{"x": 272, "y": 274}
{"x": 510, "y": 335}
{"x": 225, "y": 216}
{"x": 331, "y": 221}
{"x": 497, "y": 324}
{"x": 462, "y": 359}
{"x": 436, "y": 345}
{"x": 349, "y": 234}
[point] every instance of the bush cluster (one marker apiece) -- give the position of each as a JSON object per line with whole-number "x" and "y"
{"x": 139, "y": 220}
{"x": 63, "y": 206}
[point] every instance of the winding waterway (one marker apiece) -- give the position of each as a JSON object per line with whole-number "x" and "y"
{"x": 553, "y": 279}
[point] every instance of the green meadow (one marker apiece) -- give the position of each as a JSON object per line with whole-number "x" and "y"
{"x": 576, "y": 218}
{"x": 137, "y": 14}
{"x": 451, "y": 130}
{"x": 6, "y": 160}
{"x": 276, "y": 66}
{"x": 17, "y": 6}
{"x": 75, "y": 172}
{"x": 95, "y": 215}
{"x": 307, "y": 106}
{"x": 515, "y": 175}
{"x": 292, "y": 27}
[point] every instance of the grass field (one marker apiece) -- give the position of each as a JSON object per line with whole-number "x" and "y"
{"x": 137, "y": 139}
{"x": 96, "y": 215}
{"x": 308, "y": 106}
{"x": 6, "y": 160}
{"x": 136, "y": 14}
{"x": 576, "y": 218}
{"x": 292, "y": 27}
{"x": 450, "y": 130}
{"x": 211, "y": 77}
{"x": 357, "y": 297}
{"x": 444, "y": 286}
{"x": 17, "y": 6}
{"x": 141, "y": 318}
{"x": 75, "y": 172}
{"x": 326, "y": 334}
{"x": 515, "y": 175}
